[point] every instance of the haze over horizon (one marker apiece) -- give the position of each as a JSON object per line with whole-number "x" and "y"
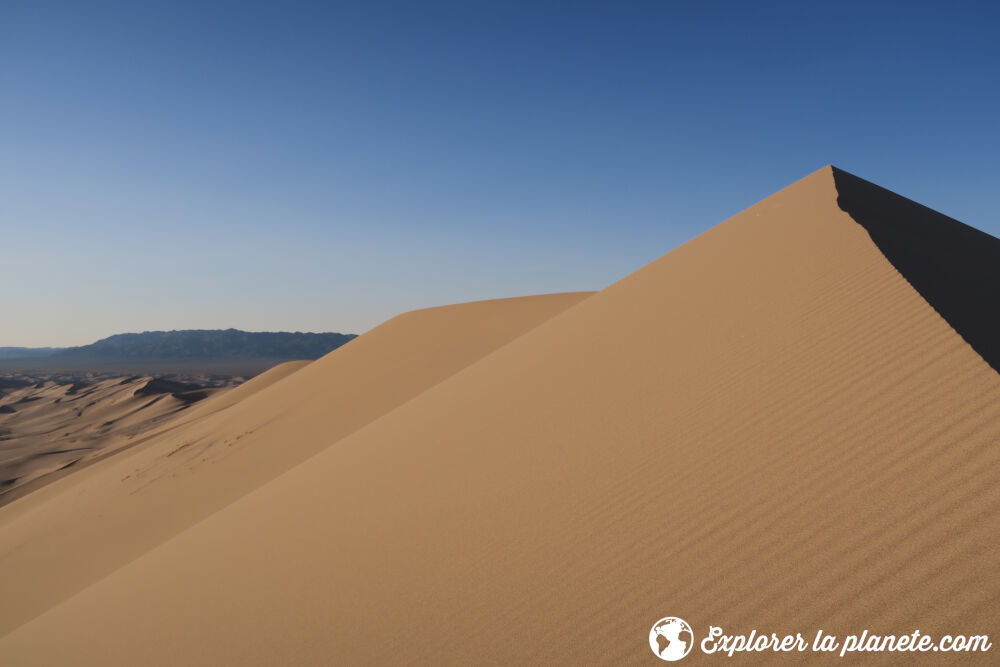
{"x": 302, "y": 167}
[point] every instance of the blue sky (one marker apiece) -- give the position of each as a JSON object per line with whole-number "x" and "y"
{"x": 324, "y": 166}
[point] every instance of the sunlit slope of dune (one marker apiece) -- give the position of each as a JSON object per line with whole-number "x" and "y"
{"x": 768, "y": 428}
{"x": 64, "y": 537}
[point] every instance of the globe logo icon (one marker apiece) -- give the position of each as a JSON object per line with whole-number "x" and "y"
{"x": 671, "y": 638}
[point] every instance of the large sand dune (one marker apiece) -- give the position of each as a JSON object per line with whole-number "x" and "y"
{"x": 767, "y": 428}
{"x": 73, "y": 532}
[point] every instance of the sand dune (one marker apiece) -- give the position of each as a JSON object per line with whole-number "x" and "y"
{"x": 56, "y": 428}
{"x": 767, "y": 428}
{"x": 51, "y": 427}
{"x": 73, "y": 532}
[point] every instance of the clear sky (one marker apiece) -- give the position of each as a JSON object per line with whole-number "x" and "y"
{"x": 324, "y": 166}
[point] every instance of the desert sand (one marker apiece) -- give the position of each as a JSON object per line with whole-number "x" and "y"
{"x": 56, "y": 427}
{"x": 50, "y": 427}
{"x": 771, "y": 427}
{"x": 77, "y": 530}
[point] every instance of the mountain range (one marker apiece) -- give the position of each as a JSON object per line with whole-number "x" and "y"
{"x": 189, "y": 345}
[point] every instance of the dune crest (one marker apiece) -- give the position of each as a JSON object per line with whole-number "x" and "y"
{"x": 767, "y": 428}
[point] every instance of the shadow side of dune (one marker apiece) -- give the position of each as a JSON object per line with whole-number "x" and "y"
{"x": 952, "y": 265}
